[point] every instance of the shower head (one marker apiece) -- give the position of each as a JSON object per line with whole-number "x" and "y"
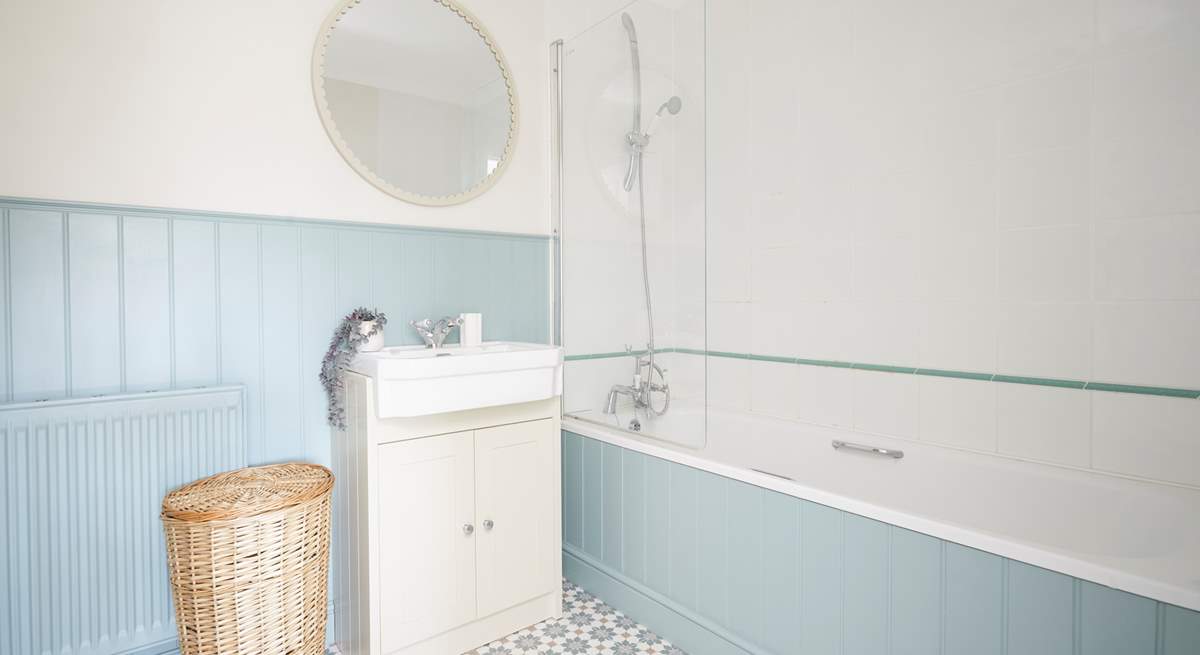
{"x": 627, "y": 21}
{"x": 673, "y": 105}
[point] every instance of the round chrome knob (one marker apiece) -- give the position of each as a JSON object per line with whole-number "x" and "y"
{"x": 468, "y": 529}
{"x": 487, "y": 524}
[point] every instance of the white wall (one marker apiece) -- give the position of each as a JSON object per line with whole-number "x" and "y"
{"x": 209, "y": 106}
{"x": 997, "y": 187}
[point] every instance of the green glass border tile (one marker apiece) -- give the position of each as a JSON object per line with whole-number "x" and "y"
{"x": 884, "y": 368}
{"x": 722, "y": 353}
{"x": 824, "y": 362}
{"x": 1139, "y": 389}
{"x": 1059, "y": 383}
{"x": 1041, "y": 382}
{"x": 772, "y": 358}
{"x": 963, "y": 375}
{"x": 691, "y": 351}
{"x": 577, "y": 358}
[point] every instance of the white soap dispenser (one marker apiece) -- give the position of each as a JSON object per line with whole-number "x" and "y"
{"x": 471, "y": 330}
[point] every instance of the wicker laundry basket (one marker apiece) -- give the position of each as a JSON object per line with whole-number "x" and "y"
{"x": 248, "y": 553}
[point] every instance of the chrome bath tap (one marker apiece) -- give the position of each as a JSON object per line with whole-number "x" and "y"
{"x": 434, "y": 333}
{"x": 643, "y": 386}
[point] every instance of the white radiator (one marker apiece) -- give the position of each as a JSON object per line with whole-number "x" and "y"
{"x": 82, "y": 561}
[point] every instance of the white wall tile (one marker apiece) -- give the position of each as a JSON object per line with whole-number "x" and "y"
{"x": 959, "y": 336}
{"x": 1149, "y": 91}
{"x": 773, "y": 274}
{"x": 1045, "y": 264}
{"x": 886, "y": 403}
{"x": 770, "y": 329}
{"x": 687, "y": 375}
{"x": 896, "y": 205}
{"x": 958, "y": 265}
{"x": 1153, "y": 343}
{"x": 826, "y": 395}
{"x": 1148, "y": 259}
{"x": 961, "y": 198}
{"x": 1146, "y": 177}
{"x": 728, "y": 383}
{"x": 1045, "y": 112}
{"x": 959, "y": 413}
{"x": 1046, "y": 36}
{"x": 1131, "y": 22}
{"x": 883, "y": 332}
{"x": 729, "y": 270}
{"x": 727, "y": 327}
{"x": 774, "y": 389}
{"x": 1044, "y": 423}
{"x": 818, "y": 269}
{"x": 1044, "y": 187}
{"x": 1147, "y": 436}
{"x": 887, "y": 269}
{"x": 1045, "y": 340}
{"x": 821, "y": 331}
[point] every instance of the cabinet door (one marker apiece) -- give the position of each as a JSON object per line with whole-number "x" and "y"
{"x": 426, "y": 558}
{"x": 514, "y": 504}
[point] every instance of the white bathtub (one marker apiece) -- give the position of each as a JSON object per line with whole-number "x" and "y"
{"x": 1136, "y": 536}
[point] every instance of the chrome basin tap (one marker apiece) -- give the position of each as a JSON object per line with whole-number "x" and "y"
{"x": 434, "y": 333}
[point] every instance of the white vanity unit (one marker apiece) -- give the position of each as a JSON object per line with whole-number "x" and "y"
{"x": 447, "y": 531}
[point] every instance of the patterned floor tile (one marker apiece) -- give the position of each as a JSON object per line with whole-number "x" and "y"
{"x": 587, "y": 627}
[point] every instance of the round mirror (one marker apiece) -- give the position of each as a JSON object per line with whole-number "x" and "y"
{"x": 416, "y": 96}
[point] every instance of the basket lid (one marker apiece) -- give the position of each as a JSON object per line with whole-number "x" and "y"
{"x": 247, "y": 492}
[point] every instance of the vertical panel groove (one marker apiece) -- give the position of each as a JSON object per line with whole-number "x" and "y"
{"x": 171, "y": 299}
{"x": 1159, "y": 624}
{"x": 1004, "y": 627}
{"x": 217, "y": 296}
{"x": 1077, "y": 593}
{"x": 300, "y": 332}
{"x": 66, "y": 248}
{"x": 122, "y": 341}
{"x": 263, "y": 434}
{"x": 942, "y": 599}
{"x": 8, "y": 313}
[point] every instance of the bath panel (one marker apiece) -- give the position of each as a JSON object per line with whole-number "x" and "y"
{"x": 753, "y": 570}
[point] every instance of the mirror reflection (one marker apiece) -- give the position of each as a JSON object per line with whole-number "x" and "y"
{"x": 416, "y": 99}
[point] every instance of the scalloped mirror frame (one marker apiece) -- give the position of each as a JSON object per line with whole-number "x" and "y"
{"x": 343, "y": 148}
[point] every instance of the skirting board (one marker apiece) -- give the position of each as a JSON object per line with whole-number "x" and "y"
{"x": 668, "y": 619}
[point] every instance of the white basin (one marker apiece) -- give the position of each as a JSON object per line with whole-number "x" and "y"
{"x": 417, "y": 381}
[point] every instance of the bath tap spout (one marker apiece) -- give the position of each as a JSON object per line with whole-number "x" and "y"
{"x": 610, "y": 405}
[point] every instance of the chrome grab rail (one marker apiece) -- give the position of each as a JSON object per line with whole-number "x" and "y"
{"x": 886, "y": 452}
